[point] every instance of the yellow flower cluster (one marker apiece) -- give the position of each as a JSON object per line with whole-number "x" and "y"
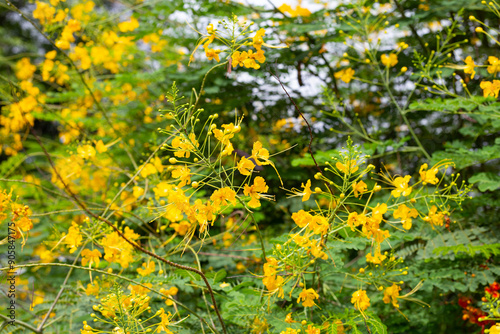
{"x": 248, "y": 59}
{"x": 20, "y": 221}
{"x": 298, "y": 11}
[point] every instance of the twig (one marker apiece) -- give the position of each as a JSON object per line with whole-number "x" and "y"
{"x": 275, "y": 75}
{"x": 22, "y": 323}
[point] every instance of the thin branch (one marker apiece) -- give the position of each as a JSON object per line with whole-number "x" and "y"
{"x": 275, "y": 75}
{"x": 21, "y": 323}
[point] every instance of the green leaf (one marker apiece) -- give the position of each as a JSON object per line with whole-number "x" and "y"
{"x": 377, "y": 326}
{"x": 486, "y": 181}
{"x": 219, "y": 275}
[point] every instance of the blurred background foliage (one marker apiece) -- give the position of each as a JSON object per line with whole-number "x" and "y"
{"x": 463, "y": 127}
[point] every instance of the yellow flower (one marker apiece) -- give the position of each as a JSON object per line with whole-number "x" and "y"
{"x": 307, "y": 296}
{"x": 359, "y": 188}
{"x": 140, "y": 290}
{"x": 307, "y": 191}
{"x": 270, "y": 267}
{"x": 469, "y": 68}
{"x": 116, "y": 249}
{"x": 317, "y": 252}
{"x": 434, "y": 218}
{"x": 170, "y": 292}
{"x": 24, "y": 69}
{"x": 401, "y": 186}
{"x": 238, "y": 57}
{"x": 148, "y": 268}
{"x": 91, "y": 257}
{"x": 301, "y": 218}
{"x": 149, "y": 169}
{"x": 360, "y": 300}
{"x": 345, "y": 75}
{"x": 250, "y": 61}
{"x": 355, "y": 219}
{"x": 100, "y": 147}
{"x": 184, "y": 146}
{"x": 92, "y": 289}
{"x": 129, "y": 25}
{"x": 378, "y": 258}
{"x": 312, "y": 330}
{"x": 288, "y": 318}
{"x": 44, "y": 12}
{"x": 290, "y": 331}
{"x": 490, "y": 88}
{"x": 212, "y": 54}
{"x": 274, "y": 285}
{"x": 258, "y": 152}
{"x": 389, "y": 61}
{"x": 391, "y": 295}
{"x": 259, "y": 186}
{"x": 298, "y": 11}
{"x": 259, "y": 327}
{"x": 245, "y": 166}
{"x": 428, "y": 176}
{"x": 222, "y": 196}
{"x": 347, "y": 168}
{"x": 378, "y": 212}
{"x": 182, "y": 173}
{"x": 137, "y": 192}
{"x": 495, "y": 65}
{"x": 257, "y": 39}
{"x": 406, "y": 214}
{"x": 74, "y": 238}
{"x": 495, "y": 329}
{"x": 181, "y": 228}
{"x": 86, "y": 151}
{"x": 319, "y": 225}
{"x": 165, "y": 321}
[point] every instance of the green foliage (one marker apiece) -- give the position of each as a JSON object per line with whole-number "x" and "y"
{"x": 107, "y": 141}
